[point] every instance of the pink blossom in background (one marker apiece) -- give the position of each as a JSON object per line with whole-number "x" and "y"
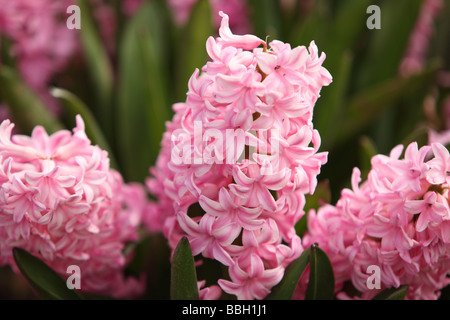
{"x": 131, "y": 6}
{"x": 398, "y": 219}
{"x": 416, "y": 52}
{"x": 61, "y": 202}
{"x": 235, "y": 207}
{"x": 41, "y": 41}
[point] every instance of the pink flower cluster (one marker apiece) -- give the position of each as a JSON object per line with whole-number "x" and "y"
{"x": 242, "y": 213}
{"x": 60, "y": 201}
{"x": 41, "y": 42}
{"x": 397, "y": 220}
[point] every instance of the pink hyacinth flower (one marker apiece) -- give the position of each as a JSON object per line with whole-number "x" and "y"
{"x": 62, "y": 202}
{"x": 232, "y": 178}
{"x": 397, "y": 220}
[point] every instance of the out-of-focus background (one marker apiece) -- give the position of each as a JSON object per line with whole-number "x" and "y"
{"x": 131, "y": 60}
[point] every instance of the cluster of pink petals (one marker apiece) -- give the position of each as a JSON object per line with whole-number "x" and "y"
{"x": 235, "y": 8}
{"x": 416, "y": 52}
{"x": 398, "y": 219}
{"x": 41, "y": 41}
{"x": 60, "y": 201}
{"x": 242, "y": 213}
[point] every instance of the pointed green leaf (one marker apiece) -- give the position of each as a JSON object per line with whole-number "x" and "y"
{"x": 191, "y": 50}
{"x": 392, "y": 294}
{"x": 321, "y": 277}
{"x": 99, "y": 66}
{"x": 142, "y": 96}
{"x": 183, "y": 284}
{"x": 285, "y": 289}
{"x": 74, "y": 106}
{"x": 47, "y": 283}
{"x": 26, "y": 107}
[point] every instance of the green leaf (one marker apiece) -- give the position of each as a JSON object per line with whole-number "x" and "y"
{"x": 47, "y": 283}
{"x": 321, "y": 277}
{"x": 99, "y": 66}
{"x": 183, "y": 284}
{"x": 142, "y": 96}
{"x": 392, "y": 294}
{"x": 74, "y": 106}
{"x": 191, "y": 50}
{"x": 26, "y": 107}
{"x": 285, "y": 289}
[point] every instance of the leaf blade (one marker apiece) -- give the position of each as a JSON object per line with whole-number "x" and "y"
{"x": 183, "y": 284}
{"x": 321, "y": 277}
{"x": 392, "y": 294}
{"x": 285, "y": 289}
{"x": 142, "y": 107}
{"x": 47, "y": 283}
{"x": 99, "y": 66}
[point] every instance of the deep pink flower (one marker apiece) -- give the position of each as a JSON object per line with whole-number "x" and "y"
{"x": 230, "y": 178}
{"x": 61, "y": 202}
